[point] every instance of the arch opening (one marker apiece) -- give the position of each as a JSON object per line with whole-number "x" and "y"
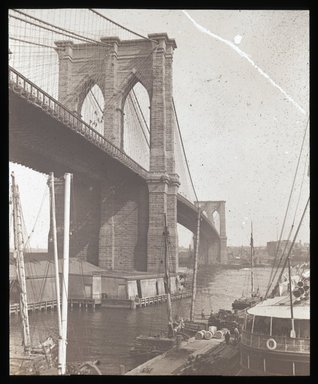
{"x": 216, "y": 220}
{"x": 92, "y": 109}
{"x": 136, "y": 125}
{"x": 185, "y": 247}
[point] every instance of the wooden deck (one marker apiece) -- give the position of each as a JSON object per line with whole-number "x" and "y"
{"x": 173, "y": 361}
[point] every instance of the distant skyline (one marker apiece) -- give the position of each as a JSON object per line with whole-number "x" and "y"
{"x": 243, "y": 113}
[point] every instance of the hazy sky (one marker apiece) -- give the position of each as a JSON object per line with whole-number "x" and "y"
{"x": 241, "y": 89}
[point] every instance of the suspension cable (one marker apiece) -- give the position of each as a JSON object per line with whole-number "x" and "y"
{"x": 118, "y": 25}
{"x": 31, "y": 42}
{"x": 140, "y": 110}
{"x": 140, "y": 123}
{"x": 185, "y": 156}
{"x": 67, "y": 33}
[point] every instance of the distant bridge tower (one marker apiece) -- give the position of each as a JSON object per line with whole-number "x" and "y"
{"x": 131, "y": 211}
{"x": 215, "y": 252}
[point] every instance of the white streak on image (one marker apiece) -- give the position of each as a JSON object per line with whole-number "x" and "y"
{"x": 245, "y": 56}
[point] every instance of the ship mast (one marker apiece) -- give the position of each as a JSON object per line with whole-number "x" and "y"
{"x": 19, "y": 259}
{"x": 195, "y": 267}
{"x": 252, "y": 266}
{"x": 167, "y": 278}
{"x": 56, "y": 263}
{"x": 63, "y": 342}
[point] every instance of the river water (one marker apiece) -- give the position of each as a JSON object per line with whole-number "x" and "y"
{"x": 108, "y": 333}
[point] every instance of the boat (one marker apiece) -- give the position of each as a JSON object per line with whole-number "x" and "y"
{"x": 41, "y": 359}
{"x": 254, "y": 298}
{"x": 178, "y": 329}
{"x": 268, "y": 344}
{"x": 275, "y": 338}
{"x": 153, "y": 345}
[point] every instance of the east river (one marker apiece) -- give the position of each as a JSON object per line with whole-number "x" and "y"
{"x": 108, "y": 333}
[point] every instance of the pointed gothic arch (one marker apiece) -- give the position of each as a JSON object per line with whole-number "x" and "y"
{"x": 136, "y": 124}
{"x": 92, "y": 108}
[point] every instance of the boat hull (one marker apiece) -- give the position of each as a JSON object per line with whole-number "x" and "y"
{"x": 273, "y": 363}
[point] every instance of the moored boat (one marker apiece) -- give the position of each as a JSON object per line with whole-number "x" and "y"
{"x": 276, "y": 333}
{"x": 267, "y": 347}
{"x": 254, "y": 298}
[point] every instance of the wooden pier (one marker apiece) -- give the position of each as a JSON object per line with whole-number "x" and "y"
{"x": 51, "y": 305}
{"x": 145, "y": 301}
{"x": 175, "y": 359}
{"x": 84, "y": 303}
{"x": 193, "y": 357}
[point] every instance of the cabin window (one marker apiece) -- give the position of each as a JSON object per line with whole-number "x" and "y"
{"x": 262, "y": 325}
{"x": 281, "y": 327}
{"x": 249, "y": 323}
{"x": 302, "y": 328}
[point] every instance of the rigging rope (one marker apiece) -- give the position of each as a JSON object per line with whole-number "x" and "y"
{"x": 27, "y": 242}
{"x": 293, "y": 223}
{"x": 292, "y": 245}
{"x": 287, "y": 208}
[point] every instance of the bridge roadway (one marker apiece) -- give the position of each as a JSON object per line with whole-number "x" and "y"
{"x": 46, "y": 136}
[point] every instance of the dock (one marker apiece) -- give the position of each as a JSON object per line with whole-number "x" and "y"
{"x": 178, "y": 359}
{"x": 52, "y": 304}
{"x": 111, "y": 302}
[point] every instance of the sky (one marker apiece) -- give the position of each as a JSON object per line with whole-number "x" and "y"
{"x": 241, "y": 90}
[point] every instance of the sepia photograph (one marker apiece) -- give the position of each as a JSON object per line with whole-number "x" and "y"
{"x": 159, "y": 209}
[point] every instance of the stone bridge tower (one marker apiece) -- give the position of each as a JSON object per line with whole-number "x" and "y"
{"x": 216, "y": 252}
{"x": 130, "y": 234}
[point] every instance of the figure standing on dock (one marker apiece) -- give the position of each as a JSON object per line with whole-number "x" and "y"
{"x": 202, "y": 314}
{"x": 236, "y": 335}
{"x": 227, "y": 337}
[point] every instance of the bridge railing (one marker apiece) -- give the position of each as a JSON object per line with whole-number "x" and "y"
{"x": 20, "y": 84}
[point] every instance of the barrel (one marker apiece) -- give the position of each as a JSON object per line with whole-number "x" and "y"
{"x": 218, "y": 335}
{"x": 208, "y": 335}
{"x": 200, "y": 335}
{"x": 212, "y": 329}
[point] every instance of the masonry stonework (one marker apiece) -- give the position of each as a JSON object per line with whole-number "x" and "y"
{"x": 131, "y": 216}
{"x": 215, "y": 252}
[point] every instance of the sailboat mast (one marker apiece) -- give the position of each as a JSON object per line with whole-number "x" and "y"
{"x": 57, "y": 280}
{"x": 195, "y": 267}
{"x": 62, "y": 344}
{"x": 167, "y": 277}
{"x": 19, "y": 258}
{"x": 252, "y": 263}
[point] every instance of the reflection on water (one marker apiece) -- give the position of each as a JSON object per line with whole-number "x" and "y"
{"x": 108, "y": 333}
